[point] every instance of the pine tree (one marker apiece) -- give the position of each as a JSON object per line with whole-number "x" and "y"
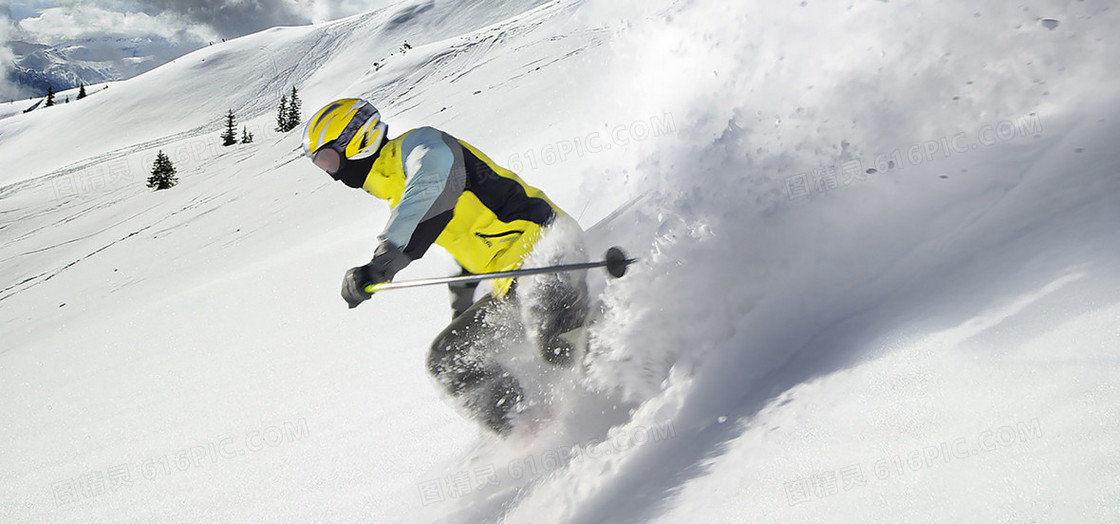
{"x": 246, "y": 136}
{"x": 294, "y": 115}
{"x": 282, "y": 115}
{"x": 163, "y": 173}
{"x": 82, "y": 92}
{"x": 229, "y": 137}
{"x": 50, "y": 96}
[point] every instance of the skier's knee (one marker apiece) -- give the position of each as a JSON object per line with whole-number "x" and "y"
{"x": 456, "y": 371}
{"x": 450, "y": 350}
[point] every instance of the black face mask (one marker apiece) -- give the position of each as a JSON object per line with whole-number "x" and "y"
{"x": 353, "y": 173}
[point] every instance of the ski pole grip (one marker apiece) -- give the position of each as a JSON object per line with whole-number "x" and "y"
{"x": 617, "y": 262}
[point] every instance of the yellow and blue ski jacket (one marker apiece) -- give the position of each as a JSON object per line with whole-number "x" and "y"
{"x": 444, "y": 191}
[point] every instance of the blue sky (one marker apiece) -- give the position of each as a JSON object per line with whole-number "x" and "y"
{"x": 21, "y": 10}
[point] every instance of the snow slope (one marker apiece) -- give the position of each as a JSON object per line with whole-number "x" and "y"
{"x": 877, "y": 277}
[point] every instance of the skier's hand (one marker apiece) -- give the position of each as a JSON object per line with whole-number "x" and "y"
{"x": 387, "y": 261}
{"x": 354, "y": 286}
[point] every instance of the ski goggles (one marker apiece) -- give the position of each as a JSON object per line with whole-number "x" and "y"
{"x": 328, "y": 159}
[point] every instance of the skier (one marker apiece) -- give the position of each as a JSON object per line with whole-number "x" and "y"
{"x": 444, "y": 191}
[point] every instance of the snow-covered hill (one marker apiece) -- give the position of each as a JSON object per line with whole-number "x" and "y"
{"x": 877, "y": 278}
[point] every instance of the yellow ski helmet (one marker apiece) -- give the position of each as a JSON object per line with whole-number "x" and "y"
{"x": 350, "y": 127}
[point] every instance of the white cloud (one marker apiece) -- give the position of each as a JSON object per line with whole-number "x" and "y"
{"x": 59, "y": 24}
{"x": 160, "y": 29}
{"x": 7, "y": 60}
{"x": 208, "y": 19}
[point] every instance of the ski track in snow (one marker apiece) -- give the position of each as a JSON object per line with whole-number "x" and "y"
{"x": 760, "y": 340}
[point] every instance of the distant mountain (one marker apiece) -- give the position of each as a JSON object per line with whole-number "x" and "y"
{"x": 87, "y": 61}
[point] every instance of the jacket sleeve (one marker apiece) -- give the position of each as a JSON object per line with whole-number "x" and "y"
{"x": 435, "y": 177}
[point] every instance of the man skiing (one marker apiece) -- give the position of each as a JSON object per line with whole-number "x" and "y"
{"x": 444, "y": 191}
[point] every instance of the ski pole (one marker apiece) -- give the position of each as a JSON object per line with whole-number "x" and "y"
{"x": 615, "y": 262}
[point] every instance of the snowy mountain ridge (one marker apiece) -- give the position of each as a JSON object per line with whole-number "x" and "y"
{"x": 877, "y": 272}
{"x": 83, "y": 62}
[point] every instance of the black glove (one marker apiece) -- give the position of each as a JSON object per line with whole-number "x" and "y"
{"x": 387, "y": 261}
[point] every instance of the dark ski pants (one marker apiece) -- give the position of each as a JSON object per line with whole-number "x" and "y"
{"x": 461, "y": 358}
